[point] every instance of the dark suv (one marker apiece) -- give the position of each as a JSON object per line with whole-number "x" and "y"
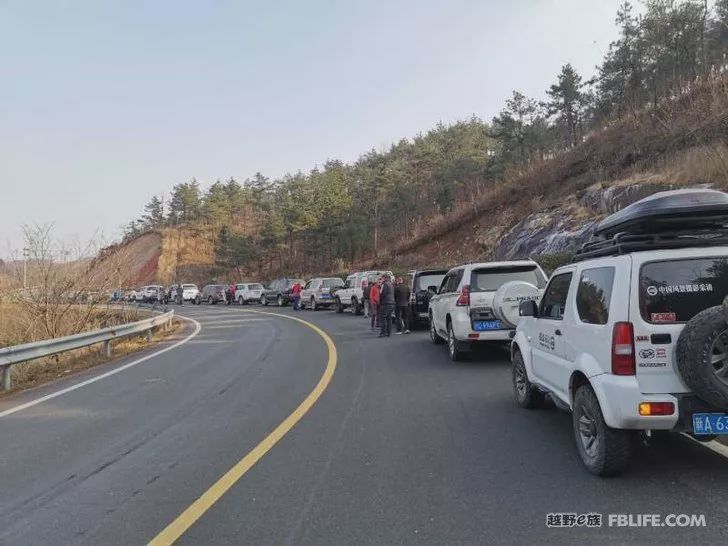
{"x": 279, "y": 291}
{"x": 420, "y": 282}
{"x": 212, "y": 294}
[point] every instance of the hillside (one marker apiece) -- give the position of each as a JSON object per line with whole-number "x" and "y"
{"x": 545, "y": 211}
{"x": 531, "y": 181}
{"x": 162, "y": 256}
{"x": 551, "y": 208}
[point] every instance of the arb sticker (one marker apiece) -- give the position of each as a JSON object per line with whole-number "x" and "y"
{"x": 663, "y": 317}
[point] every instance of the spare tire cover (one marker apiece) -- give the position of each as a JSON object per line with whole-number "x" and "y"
{"x": 508, "y": 298}
{"x": 702, "y": 356}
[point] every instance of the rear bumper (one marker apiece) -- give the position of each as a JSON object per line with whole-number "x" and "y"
{"x": 463, "y": 329}
{"x": 620, "y": 396}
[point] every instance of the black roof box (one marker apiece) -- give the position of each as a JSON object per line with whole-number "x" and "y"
{"x": 668, "y": 210}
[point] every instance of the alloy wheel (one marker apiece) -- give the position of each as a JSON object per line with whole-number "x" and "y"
{"x": 588, "y": 433}
{"x": 719, "y": 357}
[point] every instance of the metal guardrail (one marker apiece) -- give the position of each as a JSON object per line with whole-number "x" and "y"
{"x": 39, "y": 349}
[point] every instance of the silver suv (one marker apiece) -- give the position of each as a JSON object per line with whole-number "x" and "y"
{"x": 319, "y": 292}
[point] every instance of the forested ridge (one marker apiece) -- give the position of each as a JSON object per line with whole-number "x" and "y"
{"x": 340, "y": 213}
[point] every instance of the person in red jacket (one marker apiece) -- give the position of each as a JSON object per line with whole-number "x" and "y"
{"x": 374, "y": 304}
{"x": 296, "y": 295}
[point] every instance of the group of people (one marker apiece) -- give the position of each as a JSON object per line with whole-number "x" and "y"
{"x": 383, "y": 300}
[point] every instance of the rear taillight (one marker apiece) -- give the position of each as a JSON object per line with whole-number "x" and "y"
{"x": 656, "y": 408}
{"x": 464, "y": 297}
{"x": 623, "y": 361}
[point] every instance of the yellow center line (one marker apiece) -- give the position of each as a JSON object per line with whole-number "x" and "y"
{"x": 195, "y": 511}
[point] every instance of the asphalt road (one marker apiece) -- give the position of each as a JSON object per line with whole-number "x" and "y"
{"x": 402, "y": 447}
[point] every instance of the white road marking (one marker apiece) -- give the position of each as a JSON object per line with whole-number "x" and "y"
{"x": 713, "y": 445}
{"x": 234, "y": 321}
{"x": 222, "y": 327}
{"x": 56, "y": 394}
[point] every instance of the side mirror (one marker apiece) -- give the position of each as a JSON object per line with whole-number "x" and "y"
{"x": 432, "y": 289}
{"x": 528, "y": 308}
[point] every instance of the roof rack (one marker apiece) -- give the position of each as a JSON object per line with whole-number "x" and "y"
{"x": 624, "y": 243}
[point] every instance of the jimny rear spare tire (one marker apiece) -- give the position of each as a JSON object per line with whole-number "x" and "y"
{"x": 702, "y": 356}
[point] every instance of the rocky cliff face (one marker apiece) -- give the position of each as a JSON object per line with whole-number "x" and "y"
{"x": 564, "y": 228}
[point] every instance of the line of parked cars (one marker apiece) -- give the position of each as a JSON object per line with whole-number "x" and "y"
{"x": 631, "y": 337}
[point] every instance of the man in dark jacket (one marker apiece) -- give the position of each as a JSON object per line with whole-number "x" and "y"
{"x": 401, "y": 302}
{"x": 386, "y": 306}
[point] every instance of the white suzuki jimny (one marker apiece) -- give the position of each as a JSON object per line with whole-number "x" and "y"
{"x": 632, "y": 336}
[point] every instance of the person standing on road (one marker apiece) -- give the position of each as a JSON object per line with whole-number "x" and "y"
{"x": 230, "y": 294}
{"x": 180, "y": 294}
{"x": 386, "y": 306}
{"x": 401, "y": 302}
{"x": 296, "y": 295}
{"x": 365, "y": 296}
{"x": 374, "y": 304}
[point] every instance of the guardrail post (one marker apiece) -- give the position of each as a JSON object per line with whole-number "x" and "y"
{"x": 6, "y": 378}
{"x": 107, "y": 348}
{"x": 149, "y": 335}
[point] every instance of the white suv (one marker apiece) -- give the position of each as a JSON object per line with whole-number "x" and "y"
{"x": 631, "y": 336}
{"x": 352, "y": 294}
{"x": 248, "y": 292}
{"x": 464, "y": 310}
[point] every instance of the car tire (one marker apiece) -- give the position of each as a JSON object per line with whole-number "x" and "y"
{"x": 263, "y": 300}
{"x": 434, "y": 336}
{"x": 527, "y": 395}
{"x": 197, "y": 300}
{"x": 604, "y": 451}
{"x": 279, "y": 301}
{"x": 339, "y": 307}
{"x": 313, "y": 304}
{"x": 454, "y": 348}
{"x": 702, "y": 356}
{"x": 241, "y": 301}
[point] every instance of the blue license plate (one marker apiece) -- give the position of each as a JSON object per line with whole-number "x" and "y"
{"x": 483, "y": 325}
{"x": 710, "y": 423}
{"x": 324, "y": 296}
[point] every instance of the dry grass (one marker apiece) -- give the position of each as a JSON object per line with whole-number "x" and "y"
{"x": 45, "y": 370}
{"x": 679, "y": 143}
{"x": 19, "y": 324}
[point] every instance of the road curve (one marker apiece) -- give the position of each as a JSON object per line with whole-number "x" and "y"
{"x": 403, "y": 447}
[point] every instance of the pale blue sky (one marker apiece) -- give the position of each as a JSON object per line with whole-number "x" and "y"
{"x": 103, "y": 104}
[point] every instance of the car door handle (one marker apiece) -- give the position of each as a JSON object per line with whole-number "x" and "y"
{"x": 557, "y": 332}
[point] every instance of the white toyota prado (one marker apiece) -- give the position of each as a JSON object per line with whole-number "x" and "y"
{"x": 478, "y": 302}
{"x": 632, "y": 335}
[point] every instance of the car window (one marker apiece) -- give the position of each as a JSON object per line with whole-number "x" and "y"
{"x": 451, "y": 281}
{"x": 554, "y": 299}
{"x": 455, "y": 281}
{"x": 443, "y": 284}
{"x": 595, "y": 294}
{"x": 309, "y": 284}
{"x": 489, "y": 280}
{"x": 429, "y": 279}
{"x": 677, "y": 290}
{"x": 331, "y": 283}
{"x": 255, "y": 286}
